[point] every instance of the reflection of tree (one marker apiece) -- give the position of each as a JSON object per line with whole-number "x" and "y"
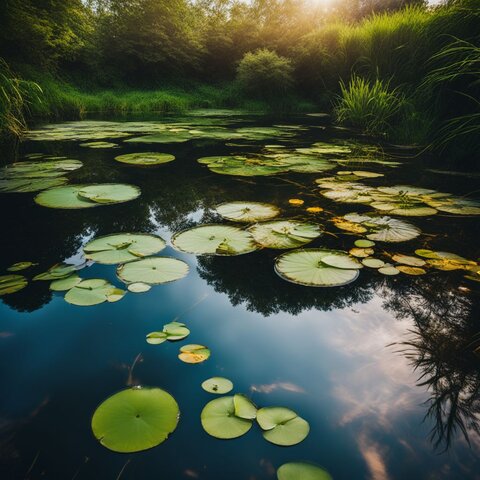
{"x": 251, "y": 279}
{"x": 442, "y": 349}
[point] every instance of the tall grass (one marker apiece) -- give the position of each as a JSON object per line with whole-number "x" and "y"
{"x": 368, "y": 105}
{"x": 14, "y": 103}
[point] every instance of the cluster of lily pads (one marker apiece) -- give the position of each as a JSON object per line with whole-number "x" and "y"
{"x": 33, "y": 176}
{"x": 400, "y": 200}
{"x": 233, "y": 416}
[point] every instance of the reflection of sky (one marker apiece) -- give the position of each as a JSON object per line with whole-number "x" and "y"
{"x": 334, "y": 368}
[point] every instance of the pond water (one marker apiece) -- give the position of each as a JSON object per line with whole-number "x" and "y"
{"x": 386, "y": 369}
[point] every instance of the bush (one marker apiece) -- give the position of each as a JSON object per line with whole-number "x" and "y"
{"x": 368, "y": 106}
{"x": 265, "y": 74}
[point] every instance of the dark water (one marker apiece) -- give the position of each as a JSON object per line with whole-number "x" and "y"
{"x": 334, "y": 355}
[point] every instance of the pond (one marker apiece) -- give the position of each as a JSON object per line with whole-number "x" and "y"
{"x": 381, "y": 358}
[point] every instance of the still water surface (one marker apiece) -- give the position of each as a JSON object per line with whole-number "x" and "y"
{"x": 335, "y": 355}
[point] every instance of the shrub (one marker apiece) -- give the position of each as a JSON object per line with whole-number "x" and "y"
{"x": 265, "y": 74}
{"x": 368, "y": 106}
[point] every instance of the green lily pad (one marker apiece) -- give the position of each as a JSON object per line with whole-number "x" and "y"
{"x": 93, "y": 291}
{"x": 302, "y": 471}
{"x": 86, "y": 196}
{"x": 389, "y": 270}
{"x": 373, "y": 262}
{"x": 156, "y": 338}
{"x": 122, "y": 247}
{"x": 411, "y": 270}
{"x": 282, "y": 426}
{"x": 217, "y": 385}
{"x": 306, "y": 267}
{"x": 281, "y": 234}
{"x": 219, "y": 420}
{"x": 19, "y": 266}
{"x": 99, "y": 145}
{"x": 457, "y": 206}
{"x": 244, "y": 407}
{"x": 176, "y": 331}
{"x": 194, "y": 353}
{"x": 247, "y": 211}
{"x": 58, "y": 271}
{"x": 65, "y": 283}
{"x": 214, "y": 240}
{"x": 139, "y": 287}
{"x": 145, "y": 158}
{"x": 12, "y": 283}
{"x": 135, "y": 419}
{"x": 361, "y": 243}
{"x": 153, "y": 270}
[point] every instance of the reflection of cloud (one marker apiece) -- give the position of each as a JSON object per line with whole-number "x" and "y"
{"x": 190, "y": 473}
{"x": 382, "y": 386}
{"x": 374, "y": 455}
{"x": 270, "y": 387}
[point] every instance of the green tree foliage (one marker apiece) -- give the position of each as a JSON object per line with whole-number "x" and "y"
{"x": 265, "y": 74}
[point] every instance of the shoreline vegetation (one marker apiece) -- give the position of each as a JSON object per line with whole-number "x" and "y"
{"x": 408, "y": 75}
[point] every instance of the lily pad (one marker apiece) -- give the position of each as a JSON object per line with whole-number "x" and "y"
{"x": 12, "y": 284}
{"x": 306, "y": 267}
{"x": 408, "y": 260}
{"x": 247, "y": 211}
{"x": 19, "y": 266}
{"x": 93, "y": 291}
{"x": 361, "y": 243}
{"x": 281, "y": 234}
{"x": 156, "y": 338}
{"x": 86, "y": 196}
{"x": 218, "y": 385}
{"x": 282, "y": 426}
{"x": 214, "y": 240}
{"x": 389, "y": 270}
{"x": 458, "y": 206}
{"x": 361, "y": 252}
{"x": 65, "y": 283}
{"x": 58, "y": 271}
{"x": 176, "y": 331}
{"x": 373, "y": 262}
{"x": 302, "y": 471}
{"x": 153, "y": 270}
{"x": 244, "y": 407}
{"x": 219, "y": 420}
{"x": 411, "y": 270}
{"x": 99, "y": 145}
{"x": 122, "y": 247}
{"x": 135, "y": 419}
{"x": 194, "y": 353}
{"x": 145, "y": 158}
{"x": 139, "y": 287}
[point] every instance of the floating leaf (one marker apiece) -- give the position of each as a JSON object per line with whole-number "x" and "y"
{"x": 445, "y": 260}
{"x": 214, "y": 240}
{"x": 219, "y": 420}
{"x": 176, "y": 331}
{"x": 60, "y": 270}
{"x": 145, "y": 158}
{"x": 282, "y": 234}
{"x": 282, "y": 426}
{"x": 244, "y": 407}
{"x": 296, "y": 201}
{"x": 194, "y": 353}
{"x": 361, "y": 252}
{"x": 247, "y": 211}
{"x": 302, "y": 471}
{"x": 135, "y": 419}
{"x": 217, "y": 385}
{"x": 12, "y": 283}
{"x": 306, "y": 267}
{"x": 408, "y": 260}
{"x": 361, "y": 243}
{"x": 314, "y": 209}
{"x": 156, "y": 338}
{"x": 19, "y": 266}
{"x": 373, "y": 262}
{"x": 411, "y": 270}
{"x": 99, "y": 145}
{"x": 87, "y": 196}
{"x": 458, "y": 206}
{"x": 389, "y": 270}
{"x": 65, "y": 283}
{"x": 153, "y": 270}
{"x": 138, "y": 287}
{"x": 93, "y": 291}
{"x": 122, "y": 247}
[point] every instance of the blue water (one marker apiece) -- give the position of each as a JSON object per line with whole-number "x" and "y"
{"x": 332, "y": 355}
